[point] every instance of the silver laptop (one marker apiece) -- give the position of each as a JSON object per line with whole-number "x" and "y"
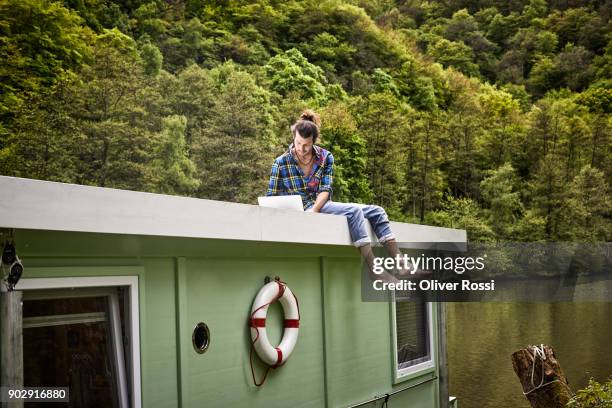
{"x": 287, "y": 202}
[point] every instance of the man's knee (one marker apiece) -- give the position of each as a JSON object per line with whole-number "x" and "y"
{"x": 379, "y": 212}
{"x": 354, "y": 212}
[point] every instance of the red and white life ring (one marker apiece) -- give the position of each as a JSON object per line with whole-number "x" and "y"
{"x": 271, "y": 292}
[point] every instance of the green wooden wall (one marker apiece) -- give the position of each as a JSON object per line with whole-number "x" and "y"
{"x": 344, "y": 352}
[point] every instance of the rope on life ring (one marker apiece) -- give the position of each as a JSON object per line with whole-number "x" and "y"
{"x": 274, "y": 357}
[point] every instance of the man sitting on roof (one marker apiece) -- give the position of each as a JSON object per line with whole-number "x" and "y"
{"x": 307, "y": 169}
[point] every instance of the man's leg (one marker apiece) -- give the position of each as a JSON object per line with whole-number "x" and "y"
{"x": 354, "y": 217}
{"x": 356, "y": 222}
{"x": 393, "y": 250}
{"x": 379, "y": 220}
{"x": 368, "y": 255}
{"x": 380, "y": 223}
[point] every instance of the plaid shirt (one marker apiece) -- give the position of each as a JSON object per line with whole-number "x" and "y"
{"x": 287, "y": 178}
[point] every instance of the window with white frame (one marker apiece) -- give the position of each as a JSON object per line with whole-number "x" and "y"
{"x": 83, "y": 333}
{"x": 412, "y": 337}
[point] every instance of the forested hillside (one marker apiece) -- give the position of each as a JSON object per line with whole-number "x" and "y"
{"x": 486, "y": 115}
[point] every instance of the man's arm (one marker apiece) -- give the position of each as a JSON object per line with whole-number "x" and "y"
{"x": 275, "y": 185}
{"x": 325, "y": 186}
{"x": 321, "y": 200}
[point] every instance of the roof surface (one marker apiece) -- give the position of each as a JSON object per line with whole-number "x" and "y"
{"x": 46, "y": 205}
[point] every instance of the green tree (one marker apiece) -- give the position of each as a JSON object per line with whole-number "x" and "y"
{"x": 424, "y": 180}
{"x": 192, "y": 94}
{"x": 548, "y": 192}
{"x": 499, "y": 190}
{"x": 192, "y": 41}
{"x": 291, "y": 72}
{"x": 602, "y": 65}
{"x": 579, "y": 26}
{"x": 587, "y": 207}
{"x": 454, "y": 54}
{"x": 147, "y": 21}
{"x": 349, "y": 24}
{"x": 530, "y": 227}
{"x": 504, "y": 127}
{"x": 535, "y": 9}
{"x": 502, "y": 27}
{"x": 326, "y": 51}
{"x": 529, "y": 45}
{"x": 520, "y": 94}
{"x": 574, "y": 66}
{"x": 114, "y": 143}
{"x": 340, "y": 135}
{"x": 174, "y": 171}
{"x": 41, "y": 42}
{"x": 415, "y": 85}
{"x": 235, "y": 147}
{"x": 460, "y": 26}
{"x": 384, "y": 82}
{"x": 462, "y": 213}
{"x": 42, "y": 141}
{"x": 152, "y": 58}
{"x": 598, "y": 101}
{"x": 383, "y": 122}
{"x": 544, "y": 76}
{"x": 462, "y": 160}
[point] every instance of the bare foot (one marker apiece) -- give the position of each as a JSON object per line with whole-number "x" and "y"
{"x": 385, "y": 277}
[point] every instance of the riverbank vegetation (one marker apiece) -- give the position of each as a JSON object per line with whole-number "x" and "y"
{"x": 485, "y": 115}
{"x": 595, "y": 395}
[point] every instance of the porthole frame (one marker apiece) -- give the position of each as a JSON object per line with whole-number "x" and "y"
{"x": 204, "y": 348}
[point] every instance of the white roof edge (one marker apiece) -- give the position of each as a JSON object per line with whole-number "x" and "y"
{"x": 47, "y": 205}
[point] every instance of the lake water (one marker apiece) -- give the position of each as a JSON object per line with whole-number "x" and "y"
{"x": 482, "y": 336}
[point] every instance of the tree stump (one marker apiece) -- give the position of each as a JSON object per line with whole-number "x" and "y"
{"x": 544, "y": 382}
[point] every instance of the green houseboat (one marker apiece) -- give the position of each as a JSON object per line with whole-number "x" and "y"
{"x": 134, "y": 299}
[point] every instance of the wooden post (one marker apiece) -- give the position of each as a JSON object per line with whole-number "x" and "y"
{"x": 544, "y": 383}
{"x": 11, "y": 343}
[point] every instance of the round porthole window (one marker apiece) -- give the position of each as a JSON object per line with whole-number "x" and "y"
{"x": 201, "y": 338}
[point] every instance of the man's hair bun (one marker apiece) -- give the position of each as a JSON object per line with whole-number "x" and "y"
{"x": 307, "y": 125}
{"x": 311, "y": 116}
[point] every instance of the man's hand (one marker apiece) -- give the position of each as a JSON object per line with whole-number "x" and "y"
{"x": 320, "y": 202}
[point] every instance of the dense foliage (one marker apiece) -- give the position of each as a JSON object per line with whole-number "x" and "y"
{"x": 485, "y": 115}
{"x": 595, "y": 395}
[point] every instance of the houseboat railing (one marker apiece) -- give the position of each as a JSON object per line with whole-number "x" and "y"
{"x": 389, "y": 394}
